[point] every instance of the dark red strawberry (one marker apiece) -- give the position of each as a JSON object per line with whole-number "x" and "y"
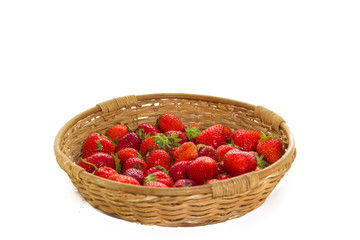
{"x": 124, "y": 179}
{"x": 247, "y": 140}
{"x": 202, "y": 169}
{"x": 168, "y": 121}
{"x": 223, "y": 149}
{"x": 135, "y": 173}
{"x": 221, "y": 168}
{"x": 158, "y": 157}
{"x": 271, "y": 148}
{"x": 130, "y": 140}
{"x": 146, "y": 130}
{"x": 238, "y": 162}
{"x": 160, "y": 177}
{"x": 105, "y": 172}
{"x": 97, "y": 160}
{"x": 178, "y": 170}
{"x": 213, "y": 136}
{"x": 135, "y": 162}
{"x": 185, "y": 183}
{"x": 186, "y": 152}
{"x": 126, "y": 153}
{"x": 96, "y": 142}
{"x": 155, "y": 184}
{"x": 117, "y": 131}
{"x": 208, "y": 151}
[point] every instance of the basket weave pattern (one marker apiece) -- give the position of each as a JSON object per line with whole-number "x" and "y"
{"x": 201, "y": 205}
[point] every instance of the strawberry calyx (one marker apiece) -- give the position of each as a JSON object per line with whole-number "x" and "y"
{"x": 231, "y": 143}
{"x": 117, "y": 163}
{"x": 162, "y": 169}
{"x": 264, "y": 137}
{"x": 173, "y": 140}
{"x": 192, "y": 132}
{"x": 261, "y": 163}
{"x": 162, "y": 141}
{"x": 150, "y": 177}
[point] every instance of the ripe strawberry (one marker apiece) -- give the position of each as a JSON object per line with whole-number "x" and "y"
{"x": 223, "y": 177}
{"x": 186, "y": 152}
{"x": 146, "y": 129}
{"x": 228, "y": 132}
{"x": 135, "y": 162}
{"x": 208, "y": 151}
{"x": 96, "y": 142}
{"x": 155, "y": 184}
{"x": 168, "y": 121}
{"x": 155, "y": 169}
{"x": 246, "y": 139}
{"x": 105, "y": 172}
{"x": 158, "y": 157}
{"x": 211, "y": 180}
{"x": 223, "y": 149}
{"x": 238, "y": 162}
{"x": 271, "y": 148}
{"x": 213, "y": 136}
{"x": 126, "y": 153}
{"x": 124, "y": 179}
{"x": 178, "y": 170}
{"x": 202, "y": 169}
{"x": 117, "y": 131}
{"x": 185, "y": 183}
{"x": 160, "y": 177}
{"x": 221, "y": 168}
{"x": 130, "y": 140}
{"x": 158, "y": 141}
{"x": 97, "y": 160}
{"x": 135, "y": 173}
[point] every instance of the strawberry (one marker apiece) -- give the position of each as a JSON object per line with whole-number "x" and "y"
{"x": 246, "y": 139}
{"x": 171, "y": 151}
{"x": 158, "y": 141}
{"x": 126, "y": 153}
{"x": 178, "y": 170}
{"x": 155, "y": 169}
{"x": 160, "y": 177}
{"x": 271, "y": 148}
{"x": 97, "y": 160}
{"x": 176, "y": 138}
{"x": 211, "y": 181}
{"x": 223, "y": 149}
{"x": 221, "y": 168}
{"x": 213, "y": 136}
{"x": 135, "y": 173}
{"x": 105, "y": 172}
{"x": 223, "y": 177}
{"x": 124, "y": 179}
{"x": 168, "y": 121}
{"x": 158, "y": 157}
{"x": 117, "y": 131}
{"x": 186, "y": 152}
{"x": 202, "y": 169}
{"x": 155, "y": 184}
{"x": 185, "y": 183}
{"x": 208, "y": 151}
{"x": 238, "y": 162}
{"x": 129, "y": 140}
{"x": 146, "y": 129}
{"x": 228, "y": 132}
{"x": 135, "y": 162}
{"x": 96, "y": 142}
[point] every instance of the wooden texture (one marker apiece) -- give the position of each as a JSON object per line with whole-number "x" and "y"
{"x": 201, "y": 205}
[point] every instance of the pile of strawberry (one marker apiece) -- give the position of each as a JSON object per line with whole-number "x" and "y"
{"x": 169, "y": 154}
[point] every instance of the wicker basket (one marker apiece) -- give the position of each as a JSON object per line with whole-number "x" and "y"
{"x": 194, "y": 206}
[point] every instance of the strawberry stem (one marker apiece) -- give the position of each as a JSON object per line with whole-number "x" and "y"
{"x": 88, "y": 163}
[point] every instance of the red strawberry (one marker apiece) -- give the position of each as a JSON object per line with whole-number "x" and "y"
{"x": 135, "y": 173}
{"x": 130, "y": 140}
{"x": 117, "y": 131}
{"x": 155, "y": 184}
{"x": 223, "y": 177}
{"x": 192, "y": 132}
{"x": 124, "y": 179}
{"x": 185, "y": 183}
{"x": 158, "y": 141}
{"x": 186, "y": 152}
{"x": 271, "y": 148}
{"x": 168, "y": 121}
{"x": 223, "y": 149}
{"x": 135, "y": 162}
{"x": 178, "y": 170}
{"x": 228, "y": 132}
{"x": 97, "y": 160}
{"x": 146, "y": 129}
{"x": 202, "y": 169}
{"x": 96, "y": 142}
{"x": 221, "y": 168}
{"x": 176, "y": 138}
{"x": 105, "y": 172}
{"x": 158, "y": 157}
{"x": 213, "y": 136}
{"x": 238, "y": 162}
{"x": 155, "y": 169}
{"x": 126, "y": 153}
{"x": 208, "y": 151}
{"x": 211, "y": 181}
{"x": 246, "y": 139}
{"x": 160, "y": 177}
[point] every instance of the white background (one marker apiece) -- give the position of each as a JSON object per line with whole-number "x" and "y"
{"x": 300, "y": 59}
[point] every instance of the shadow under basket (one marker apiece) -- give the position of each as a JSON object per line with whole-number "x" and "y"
{"x": 174, "y": 207}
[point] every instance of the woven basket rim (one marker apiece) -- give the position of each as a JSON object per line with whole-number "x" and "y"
{"x": 70, "y": 167}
